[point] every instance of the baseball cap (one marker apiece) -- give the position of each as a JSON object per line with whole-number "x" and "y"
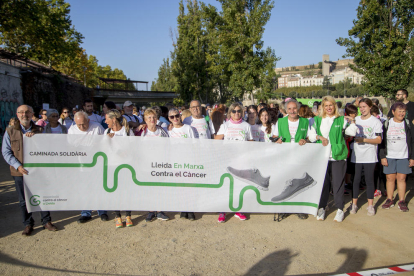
{"x": 127, "y": 103}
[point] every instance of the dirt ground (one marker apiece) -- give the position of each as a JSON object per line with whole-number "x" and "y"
{"x": 258, "y": 246}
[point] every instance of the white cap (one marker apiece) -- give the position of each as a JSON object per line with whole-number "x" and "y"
{"x": 127, "y": 103}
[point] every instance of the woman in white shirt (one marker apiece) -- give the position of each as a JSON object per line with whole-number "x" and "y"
{"x": 328, "y": 129}
{"x": 367, "y": 131}
{"x": 396, "y": 153}
{"x": 118, "y": 126}
{"x": 179, "y": 130}
{"x": 266, "y": 129}
{"x": 54, "y": 127}
{"x": 237, "y": 130}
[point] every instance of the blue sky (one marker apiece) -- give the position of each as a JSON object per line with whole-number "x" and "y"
{"x": 133, "y": 35}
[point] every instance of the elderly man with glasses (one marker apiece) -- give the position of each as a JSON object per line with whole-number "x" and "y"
{"x": 12, "y": 151}
{"x": 198, "y": 121}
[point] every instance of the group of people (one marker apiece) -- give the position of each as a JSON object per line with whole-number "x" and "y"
{"x": 360, "y": 143}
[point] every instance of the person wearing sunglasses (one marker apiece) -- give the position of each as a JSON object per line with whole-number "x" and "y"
{"x": 42, "y": 122}
{"x": 237, "y": 130}
{"x": 65, "y": 118}
{"x": 54, "y": 127}
{"x": 180, "y": 130}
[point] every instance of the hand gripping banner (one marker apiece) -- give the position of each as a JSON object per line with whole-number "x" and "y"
{"x": 85, "y": 172}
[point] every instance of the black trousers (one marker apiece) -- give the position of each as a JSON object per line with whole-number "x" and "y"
{"x": 369, "y": 179}
{"x": 27, "y": 217}
{"x": 118, "y": 213}
{"x": 335, "y": 176}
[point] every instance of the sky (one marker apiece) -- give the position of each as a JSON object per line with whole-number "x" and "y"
{"x": 134, "y": 35}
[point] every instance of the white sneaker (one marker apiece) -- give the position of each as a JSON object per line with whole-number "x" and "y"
{"x": 321, "y": 214}
{"x": 353, "y": 209}
{"x": 371, "y": 211}
{"x": 339, "y": 216}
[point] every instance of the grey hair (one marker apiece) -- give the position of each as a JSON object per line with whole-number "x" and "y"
{"x": 52, "y": 111}
{"x": 195, "y": 101}
{"x": 232, "y": 107}
{"x": 173, "y": 110}
{"x": 31, "y": 108}
{"x": 292, "y": 101}
{"x": 80, "y": 114}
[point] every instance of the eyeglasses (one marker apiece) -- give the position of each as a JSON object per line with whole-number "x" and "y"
{"x": 236, "y": 110}
{"x": 399, "y": 94}
{"x": 65, "y": 112}
{"x": 24, "y": 112}
{"x": 193, "y": 107}
{"x": 177, "y": 116}
{"x": 44, "y": 114}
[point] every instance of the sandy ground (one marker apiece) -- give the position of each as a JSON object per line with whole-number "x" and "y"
{"x": 258, "y": 246}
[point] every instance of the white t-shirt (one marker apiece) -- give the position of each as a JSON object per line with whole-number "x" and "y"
{"x": 396, "y": 140}
{"x": 67, "y": 122}
{"x": 94, "y": 129}
{"x": 369, "y": 129}
{"x": 256, "y": 132}
{"x": 121, "y": 132}
{"x": 132, "y": 118}
{"x": 264, "y": 136}
{"x": 203, "y": 130}
{"x": 239, "y": 132}
{"x": 159, "y": 132}
{"x": 293, "y": 128}
{"x": 185, "y": 131}
{"x": 95, "y": 118}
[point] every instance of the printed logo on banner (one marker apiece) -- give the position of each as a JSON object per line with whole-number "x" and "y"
{"x": 34, "y": 201}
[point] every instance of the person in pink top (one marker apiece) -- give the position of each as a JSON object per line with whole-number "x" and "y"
{"x": 43, "y": 120}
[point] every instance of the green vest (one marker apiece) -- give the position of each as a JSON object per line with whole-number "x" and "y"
{"x": 336, "y": 138}
{"x": 301, "y": 133}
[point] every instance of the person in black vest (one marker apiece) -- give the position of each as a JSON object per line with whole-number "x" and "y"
{"x": 12, "y": 151}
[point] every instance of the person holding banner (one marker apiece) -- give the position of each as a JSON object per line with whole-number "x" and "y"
{"x": 267, "y": 129}
{"x": 153, "y": 130}
{"x": 238, "y": 130}
{"x": 179, "y": 130}
{"x": 328, "y": 130}
{"x": 118, "y": 126}
{"x": 12, "y": 151}
{"x": 292, "y": 129}
{"x": 198, "y": 121}
{"x": 84, "y": 126}
{"x": 367, "y": 131}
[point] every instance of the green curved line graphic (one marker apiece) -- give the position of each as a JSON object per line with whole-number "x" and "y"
{"x": 158, "y": 184}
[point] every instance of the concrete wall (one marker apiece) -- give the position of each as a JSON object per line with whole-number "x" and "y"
{"x": 10, "y": 93}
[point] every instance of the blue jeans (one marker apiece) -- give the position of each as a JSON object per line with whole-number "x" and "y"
{"x": 89, "y": 213}
{"x": 27, "y": 217}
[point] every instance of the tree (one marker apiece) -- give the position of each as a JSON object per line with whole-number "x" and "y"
{"x": 39, "y": 30}
{"x": 268, "y": 77}
{"x": 381, "y": 42}
{"x": 166, "y": 80}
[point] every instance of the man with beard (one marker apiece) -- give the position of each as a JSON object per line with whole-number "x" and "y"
{"x": 401, "y": 96}
{"x": 88, "y": 108}
{"x": 13, "y": 154}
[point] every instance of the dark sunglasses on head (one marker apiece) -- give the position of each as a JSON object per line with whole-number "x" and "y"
{"x": 177, "y": 116}
{"x": 234, "y": 111}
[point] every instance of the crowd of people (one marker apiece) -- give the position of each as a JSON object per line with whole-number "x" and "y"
{"x": 365, "y": 144}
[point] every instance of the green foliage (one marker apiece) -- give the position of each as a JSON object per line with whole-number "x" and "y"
{"x": 381, "y": 42}
{"x": 268, "y": 77}
{"x": 166, "y": 80}
{"x": 39, "y": 30}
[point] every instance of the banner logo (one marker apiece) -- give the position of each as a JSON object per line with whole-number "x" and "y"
{"x": 34, "y": 201}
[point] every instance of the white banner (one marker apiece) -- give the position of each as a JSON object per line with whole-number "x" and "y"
{"x": 86, "y": 172}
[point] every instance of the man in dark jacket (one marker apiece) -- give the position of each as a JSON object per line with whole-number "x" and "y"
{"x": 12, "y": 151}
{"x": 401, "y": 96}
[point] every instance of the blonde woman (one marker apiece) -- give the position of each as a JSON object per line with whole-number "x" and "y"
{"x": 328, "y": 130}
{"x": 118, "y": 126}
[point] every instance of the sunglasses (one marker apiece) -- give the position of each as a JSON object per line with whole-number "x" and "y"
{"x": 234, "y": 111}
{"x": 65, "y": 112}
{"x": 177, "y": 116}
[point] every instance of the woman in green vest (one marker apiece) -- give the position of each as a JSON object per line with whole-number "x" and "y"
{"x": 328, "y": 130}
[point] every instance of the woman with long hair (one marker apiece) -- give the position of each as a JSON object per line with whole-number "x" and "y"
{"x": 328, "y": 130}
{"x": 266, "y": 127}
{"x": 65, "y": 118}
{"x": 217, "y": 118}
{"x": 367, "y": 131}
{"x": 252, "y": 120}
{"x": 118, "y": 126}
